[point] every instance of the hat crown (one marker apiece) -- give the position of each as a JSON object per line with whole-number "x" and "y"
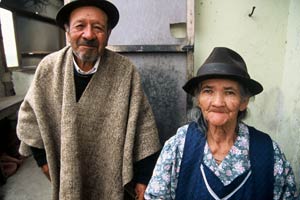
{"x": 110, "y": 9}
{"x": 225, "y": 61}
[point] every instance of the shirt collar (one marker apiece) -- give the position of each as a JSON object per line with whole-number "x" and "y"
{"x": 91, "y": 71}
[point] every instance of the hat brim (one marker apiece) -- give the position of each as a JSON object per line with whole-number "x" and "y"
{"x": 253, "y": 86}
{"x": 111, "y": 11}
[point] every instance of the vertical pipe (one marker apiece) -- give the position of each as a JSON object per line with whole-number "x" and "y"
{"x": 190, "y": 36}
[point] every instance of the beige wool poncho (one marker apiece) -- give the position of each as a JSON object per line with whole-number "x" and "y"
{"x": 91, "y": 144}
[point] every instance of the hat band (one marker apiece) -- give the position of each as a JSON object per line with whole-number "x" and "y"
{"x": 222, "y": 69}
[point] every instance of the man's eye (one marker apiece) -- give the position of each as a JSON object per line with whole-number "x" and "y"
{"x": 79, "y": 26}
{"x": 98, "y": 29}
{"x": 207, "y": 91}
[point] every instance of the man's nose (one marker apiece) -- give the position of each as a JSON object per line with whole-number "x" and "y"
{"x": 88, "y": 33}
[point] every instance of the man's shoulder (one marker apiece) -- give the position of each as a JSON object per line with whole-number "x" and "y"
{"x": 117, "y": 58}
{"x": 52, "y": 62}
{"x": 56, "y": 54}
{"x": 54, "y": 57}
{"x": 118, "y": 63}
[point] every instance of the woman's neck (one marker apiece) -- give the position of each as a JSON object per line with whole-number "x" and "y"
{"x": 220, "y": 140}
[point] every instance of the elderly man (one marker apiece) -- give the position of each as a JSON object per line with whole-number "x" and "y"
{"x": 85, "y": 118}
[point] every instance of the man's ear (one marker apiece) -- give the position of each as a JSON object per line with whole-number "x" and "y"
{"x": 67, "y": 28}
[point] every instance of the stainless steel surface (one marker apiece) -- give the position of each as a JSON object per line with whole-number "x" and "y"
{"x": 163, "y": 75}
{"x": 164, "y": 62}
{"x": 144, "y": 22}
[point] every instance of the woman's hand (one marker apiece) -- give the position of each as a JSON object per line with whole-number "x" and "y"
{"x": 139, "y": 191}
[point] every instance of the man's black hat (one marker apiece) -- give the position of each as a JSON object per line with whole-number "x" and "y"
{"x": 111, "y": 11}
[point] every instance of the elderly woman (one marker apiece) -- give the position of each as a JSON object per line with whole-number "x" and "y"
{"x": 217, "y": 156}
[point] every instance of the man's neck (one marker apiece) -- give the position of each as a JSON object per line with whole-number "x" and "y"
{"x": 85, "y": 66}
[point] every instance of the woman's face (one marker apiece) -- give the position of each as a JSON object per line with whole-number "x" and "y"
{"x": 220, "y": 101}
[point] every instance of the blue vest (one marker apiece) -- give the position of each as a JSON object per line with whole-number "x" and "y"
{"x": 259, "y": 185}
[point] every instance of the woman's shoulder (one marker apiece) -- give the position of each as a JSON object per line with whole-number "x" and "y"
{"x": 180, "y": 134}
{"x": 279, "y": 154}
{"x": 177, "y": 140}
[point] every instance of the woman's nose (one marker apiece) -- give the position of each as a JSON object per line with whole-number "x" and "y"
{"x": 218, "y": 100}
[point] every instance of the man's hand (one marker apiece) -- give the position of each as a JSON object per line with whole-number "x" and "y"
{"x": 139, "y": 191}
{"x": 45, "y": 170}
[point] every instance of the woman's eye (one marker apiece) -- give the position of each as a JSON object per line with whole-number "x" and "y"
{"x": 230, "y": 92}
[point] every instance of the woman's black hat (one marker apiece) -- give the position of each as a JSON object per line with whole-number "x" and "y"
{"x": 224, "y": 63}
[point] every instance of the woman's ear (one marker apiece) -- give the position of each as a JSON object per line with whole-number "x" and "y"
{"x": 244, "y": 104}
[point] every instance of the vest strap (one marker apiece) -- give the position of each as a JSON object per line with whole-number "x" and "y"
{"x": 213, "y": 194}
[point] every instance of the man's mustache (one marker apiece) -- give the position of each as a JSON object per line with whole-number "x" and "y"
{"x": 90, "y": 43}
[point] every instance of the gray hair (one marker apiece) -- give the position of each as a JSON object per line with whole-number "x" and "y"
{"x": 195, "y": 113}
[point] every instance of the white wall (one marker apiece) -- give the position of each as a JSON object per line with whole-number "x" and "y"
{"x": 289, "y": 125}
{"x": 269, "y": 42}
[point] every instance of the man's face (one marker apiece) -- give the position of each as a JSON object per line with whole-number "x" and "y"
{"x": 88, "y": 33}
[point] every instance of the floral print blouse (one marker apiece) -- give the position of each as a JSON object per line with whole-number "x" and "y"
{"x": 165, "y": 175}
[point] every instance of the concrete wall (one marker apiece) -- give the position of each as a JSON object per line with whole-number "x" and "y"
{"x": 269, "y": 41}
